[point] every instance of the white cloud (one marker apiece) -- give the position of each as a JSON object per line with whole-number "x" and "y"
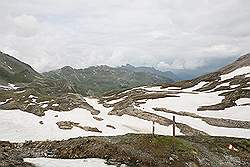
{"x": 26, "y": 25}
{"x": 181, "y": 64}
{"x": 166, "y": 34}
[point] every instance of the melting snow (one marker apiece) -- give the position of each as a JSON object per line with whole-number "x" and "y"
{"x": 12, "y": 86}
{"x": 116, "y": 100}
{"x": 1, "y": 103}
{"x": 44, "y": 105}
{"x": 22, "y": 91}
{"x": 55, "y": 105}
{"x": 197, "y": 123}
{"x": 243, "y": 101}
{"x": 19, "y": 126}
{"x": 198, "y": 86}
{"x": 186, "y": 102}
{"x": 239, "y": 71}
{"x": 234, "y": 86}
{"x": 49, "y": 162}
{"x": 235, "y": 113}
{"x": 158, "y": 88}
{"x": 4, "y": 87}
{"x": 189, "y": 102}
{"x": 32, "y": 96}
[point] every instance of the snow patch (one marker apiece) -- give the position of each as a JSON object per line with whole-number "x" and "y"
{"x": 197, "y": 123}
{"x": 198, "y": 86}
{"x": 12, "y": 86}
{"x": 1, "y": 103}
{"x": 55, "y": 105}
{"x": 32, "y": 96}
{"x": 26, "y": 126}
{"x": 159, "y": 88}
{"x": 239, "y": 71}
{"x": 116, "y": 100}
{"x": 185, "y": 102}
{"x": 50, "y": 162}
{"x": 22, "y": 91}
{"x": 234, "y": 86}
{"x": 9, "y": 87}
{"x": 9, "y": 67}
{"x": 44, "y": 105}
{"x": 240, "y": 113}
{"x": 243, "y": 101}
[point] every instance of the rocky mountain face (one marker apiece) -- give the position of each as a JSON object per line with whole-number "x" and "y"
{"x": 15, "y": 71}
{"x": 98, "y": 80}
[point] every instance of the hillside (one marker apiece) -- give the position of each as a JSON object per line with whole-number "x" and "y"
{"x": 15, "y": 71}
{"x": 98, "y": 80}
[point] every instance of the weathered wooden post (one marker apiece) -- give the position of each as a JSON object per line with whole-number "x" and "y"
{"x": 153, "y": 129}
{"x": 174, "y": 142}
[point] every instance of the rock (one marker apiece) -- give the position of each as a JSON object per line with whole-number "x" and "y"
{"x": 91, "y": 129}
{"x": 97, "y": 118}
{"x": 110, "y": 126}
{"x": 66, "y": 125}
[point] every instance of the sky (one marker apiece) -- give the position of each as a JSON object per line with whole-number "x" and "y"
{"x": 165, "y": 34}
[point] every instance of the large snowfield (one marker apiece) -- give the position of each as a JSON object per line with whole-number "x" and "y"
{"x": 18, "y": 126}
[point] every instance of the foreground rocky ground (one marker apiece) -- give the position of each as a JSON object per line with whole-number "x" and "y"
{"x": 135, "y": 150}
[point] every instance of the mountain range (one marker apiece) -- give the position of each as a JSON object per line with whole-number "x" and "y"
{"x": 211, "y": 115}
{"x": 95, "y": 80}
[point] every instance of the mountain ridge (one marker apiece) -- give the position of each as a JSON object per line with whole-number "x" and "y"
{"x": 104, "y": 78}
{"x": 14, "y": 70}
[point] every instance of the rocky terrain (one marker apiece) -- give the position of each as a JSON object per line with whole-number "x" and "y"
{"x": 136, "y": 150}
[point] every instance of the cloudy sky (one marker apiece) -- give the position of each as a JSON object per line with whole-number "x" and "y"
{"x": 166, "y": 34}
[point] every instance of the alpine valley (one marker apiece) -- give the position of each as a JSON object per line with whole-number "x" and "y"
{"x": 105, "y": 115}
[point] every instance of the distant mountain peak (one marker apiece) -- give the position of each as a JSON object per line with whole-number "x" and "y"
{"x": 67, "y": 68}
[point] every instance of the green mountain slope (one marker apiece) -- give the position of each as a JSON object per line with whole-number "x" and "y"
{"x": 97, "y": 80}
{"x": 15, "y": 71}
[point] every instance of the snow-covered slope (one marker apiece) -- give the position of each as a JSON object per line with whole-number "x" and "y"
{"x": 215, "y": 104}
{"x": 19, "y": 126}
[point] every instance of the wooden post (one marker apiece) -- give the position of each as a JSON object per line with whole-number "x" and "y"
{"x": 153, "y": 130}
{"x": 174, "y": 142}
